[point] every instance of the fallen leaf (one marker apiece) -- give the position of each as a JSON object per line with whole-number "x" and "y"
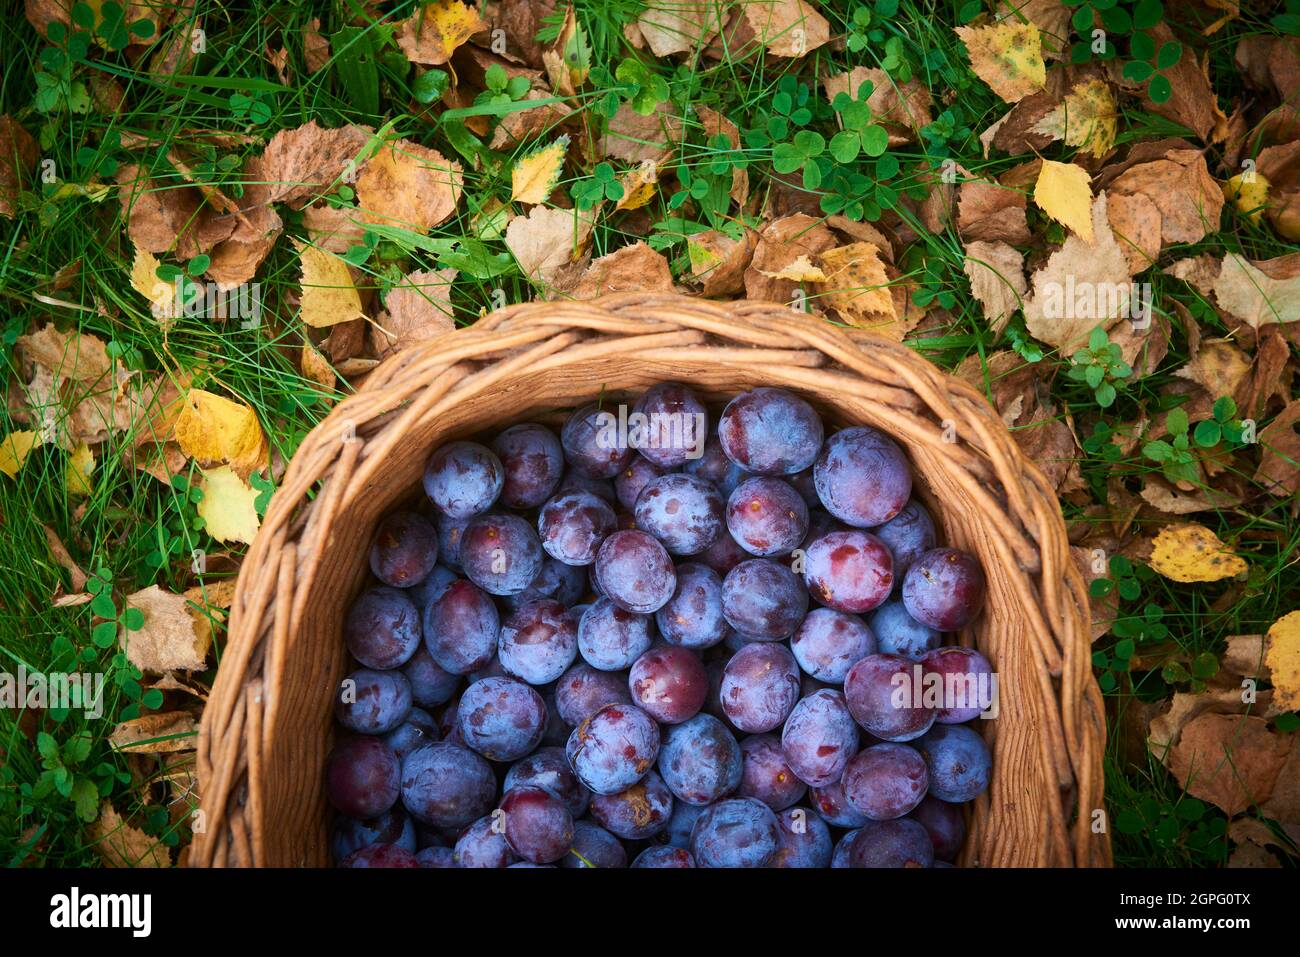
{"x": 1279, "y": 464}
{"x": 634, "y": 268}
{"x": 141, "y": 735}
{"x": 989, "y": 212}
{"x": 79, "y": 476}
{"x": 1181, "y": 187}
{"x": 1191, "y": 102}
{"x": 546, "y": 240}
{"x": 1082, "y": 285}
{"x": 307, "y": 162}
{"x": 1244, "y": 657}
{"x": 718, "y": 262}
{"x": 1218, "y": 366}
{"x": 1086, "y": 118}
{"x": 1283, "y": 805}
{"x": 1161, "y": 494}
{"x": 858, "y": 288}
{"x": 227, "y": 507}
{"x": 1193, "y": 553}
{"x": 639, "y": 186}
{"x": 328, "y": 295}
{"x": 715, "y": 124}
{"x": 69, "y": 355}
{"x": 1229, "y": 760}
{"x": 408, "y": 185}
{"x": 1259, "y": 293}
{"x": 335, "y": 229}
{"x": 14, "y": 449}
{"x": 679, "y": 26}
{"x": 786, "y": 28}
{"x": 780, "y": 243}
{"x": 315, "y": 46}
{"x": 212, "y": 429}
{"x": 1064, "y": 192}
{"x": 1008, "y": 57}
{"x": 119, "y": 844}
{"x": 1135, "y": 220}
{"x": 18, "y": 155}
{"x": 903, "y": 109}
{"x": 534, "y": 176}
{"x": 174, "y": 636}
{"x": 634, "y": 138}
{"x": 1278, "y": 171}
{"x": 417, "y": 309}
{"x": 316, "y": 367}
{"x": 1283, "y": 660}
{"x": 160, "y": 295}
{"x": 1052, "y": 17}
{"x": 524, "y": 125}
{"x": 435, "y": 31}
{"x": 163, "y": 218}
{"x": 61, "y": 555}
{"x": 997, "y": 280}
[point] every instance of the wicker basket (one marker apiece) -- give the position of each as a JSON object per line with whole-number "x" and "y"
{"x": 268, "y": 726}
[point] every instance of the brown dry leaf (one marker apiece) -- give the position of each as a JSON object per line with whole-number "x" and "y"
{"x": 787, "y": 28}
{"x": 1245, "y": 657}
{"x": 1008, "y": 57}
{"x": 315, "y": 46}
{"x": 417, "y": 309}
{"x": 1231, "y": 761}
{"x": 1161, "y": 494}
{"x": 1260, "y": 293}
{"x": 1166, "y": 729}
{"x": 715, "y": 124}
{"x": 178, "y": 729}
{"x": 118, "y": 844}
{"x": 546, "y": 240}
{"x": 1181, "y": 187}
{"x": 18, "y": 155}
{"x": 69, "y": 355}
{"x": 1135, "y": 221}
{"x": 235, "y": 260}
{"x": 1144, "y": 346}
{"x": 719, "y": 262}
{"x": 432, "y": 34}
{"x": 1192, "y": 103}
{"x": 524, "y": 125}
{"x": 1086, "y": 118}
{"x": 902, "y": 110}
{"x": 214, "y": 594}
{"x": 1193, "y": 553}
{"x": 1283, "y": 660}
{"x": 1219, "y": 367}
{"x": 332, "y": 228}
{"x": 988, "y": 212}
{"x": 634, "y": 268}
{"x": 306, "y": 162}
{"x": 634, "y": 138}
{"x": 410, "y": 186}
{"x": 166, "y": 218}
{"x": 212, "y": 429}
{"x": 1279, "y": 172}
{"x": 1283, "y": 804}
{"x": 679, "y": 26}
{"x": 174, "y": 636}
{"x": 997, "y": 279}
{"x": 1279, "y": 465}
{"x": 64, "y": 558}
{"x": 780, "y": 243}
{"x": 1083, "y": 285}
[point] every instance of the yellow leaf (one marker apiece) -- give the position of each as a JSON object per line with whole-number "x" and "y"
{"x": 1193, "y": 553}
{"x": 800, "y": 270}
{"x": 15, "y": 449}
{"x": 145, "y": 281}
{"x": 534, "y": 176}
{"x": 1283, "y": 661}
{"x": 227, "y": 507}
{"x": 1085, "y": 118}
{"x": 1064, "y": 192}
{"x": 857, "y": 285}
{"x": 1008, "y": 57}
{"x": 638, "y": 186}
{"x": 328, "y": 294}
{"x": 1249, "y": 192}
{"x": 213, "y": 429}
{"x": 81, "y": 471}
{"x": 432, "y": 35}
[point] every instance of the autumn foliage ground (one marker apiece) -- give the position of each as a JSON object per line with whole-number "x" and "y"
{"x": 215, "y": 220}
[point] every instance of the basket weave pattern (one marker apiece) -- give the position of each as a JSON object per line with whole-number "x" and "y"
{"x": 268, "y": 726}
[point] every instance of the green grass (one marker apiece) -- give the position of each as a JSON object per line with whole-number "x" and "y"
{"x": 135, "y": 531}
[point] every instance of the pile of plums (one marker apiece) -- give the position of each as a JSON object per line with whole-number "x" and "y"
{"x": 662, "y": 638}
